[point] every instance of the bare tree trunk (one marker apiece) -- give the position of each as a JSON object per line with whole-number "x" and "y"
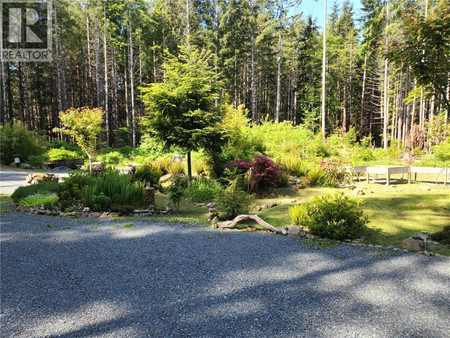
{"x": 58, "y": 66}
{"x": 252, "y": 65}
{"x": 26, "y": 96}
{"x": 324, "y": 54}
{"x": 115, "y": 118}
{"x": 216, "y": 36}
{"x": 105, "y": 54}
{"x": 362, "y": 94}
{"x": 400, "y": 110}
{"x": 154, "y": 61}
{"x": 89, "y": 87}
{"x": 279, "y": 50}
{"x": 97, "y": 63}
{"x": 386, "y": 94}
{"x": 131, "y": 64}
{"x": 141, "y": 105}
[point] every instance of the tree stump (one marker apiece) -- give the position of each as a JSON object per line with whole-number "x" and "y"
{"x": 241, "y": 218}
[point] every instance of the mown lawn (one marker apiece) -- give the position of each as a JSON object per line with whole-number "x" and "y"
{"x": 396, "y": 212}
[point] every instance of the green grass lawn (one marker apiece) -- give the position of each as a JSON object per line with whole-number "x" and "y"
{"x": 396, "y": 212}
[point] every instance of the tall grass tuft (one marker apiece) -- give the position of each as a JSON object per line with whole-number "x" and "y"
{"x": 119, "y": 189}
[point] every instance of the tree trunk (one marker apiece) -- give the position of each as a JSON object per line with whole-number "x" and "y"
{"x": 361, "y": 122}
{"x": 97, "y": 63}
{"x": 105, "y": 53}
{"x": 386, "y": 94}
{"x": 89, "y": 86}
{"x": 58, "y": 65}
{"x": 131, "y": 64}
{"x": 279, "y": 50}
{"x": 324, "y": 53}
{"x": 189, "y": 167}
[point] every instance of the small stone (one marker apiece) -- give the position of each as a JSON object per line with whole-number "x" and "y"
{"x": 437, "y": 255}
{"x": 258, "y": 208}
{"x": 212, "y": 210}
{"x": 86, "y": 209}
{"x": 432, "y": 253}
{"x": 378, "y": 246}
{"x": 94, "y": 215}
{"x": 370, "y": 245}
{"x": 371, "y": 192}
{"x": 420, "y": 252}
{"x": 397, "y": 249}
{"x": 294, "y": 201}
{"x": 251, "y": 228}
{"x": 215, "y": 220}
{"x": 348, "y": 240}
{"x": 426, "y": 188}
{"x": 427, "y": 253}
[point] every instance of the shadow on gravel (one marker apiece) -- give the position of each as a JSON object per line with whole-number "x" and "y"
{"x": 163, "y": 280}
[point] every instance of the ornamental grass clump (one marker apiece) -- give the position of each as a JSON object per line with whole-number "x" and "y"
{"x": 331, "y": 216}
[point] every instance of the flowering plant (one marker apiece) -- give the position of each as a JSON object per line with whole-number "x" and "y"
{"x": 334, "y": 172}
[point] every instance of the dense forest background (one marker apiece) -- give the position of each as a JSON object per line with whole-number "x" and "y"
{"x": 268, "y": 54}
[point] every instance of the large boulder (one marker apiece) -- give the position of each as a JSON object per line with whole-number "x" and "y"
{"x": 412, "y": 244}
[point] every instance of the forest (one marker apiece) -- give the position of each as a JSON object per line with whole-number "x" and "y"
{"x": 385, "y": 72}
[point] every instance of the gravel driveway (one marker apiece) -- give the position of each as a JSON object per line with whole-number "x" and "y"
{"x": 74, "y": 278}
{"x": 10, "y": 180}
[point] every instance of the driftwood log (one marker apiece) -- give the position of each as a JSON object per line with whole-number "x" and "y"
{"x": 241, "y": 218}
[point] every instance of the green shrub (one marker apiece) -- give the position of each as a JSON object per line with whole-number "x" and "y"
{"x": 202, "y": 190}
{"x": 36, "y": 161}
{"x": 177, "y": 191}
{"x": 87, "y": 196}
{"x": 148, "y": 174}
{"x": 56, "y": 154}
{"x": 41, "y": 188}
{"x": 39, "y": 199}
{"x": 71, "y": 186}
{"x": 111, "y": 158}
{"x": 101, "y": 203}
{"x": 332, "y": 216}
{"x": 233, "y": 201}
{"x": 16, "y": 141}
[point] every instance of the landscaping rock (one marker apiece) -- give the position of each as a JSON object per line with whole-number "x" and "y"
{"x": 359, "y": 192}
{"x": 211, "y": 205}
{"x": 269, "y": 205}
{"x": 26, "y": 166}
{"x": 294, "y": 230}
{"x": 412, "y": 244}
{"x": 283, "y": 231}
{"x": 251, "y": 228}
{"x": 165, "y": 178}
{"x": 94, "y": 215}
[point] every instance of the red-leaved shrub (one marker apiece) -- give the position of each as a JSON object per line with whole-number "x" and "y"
{"x": 261, "y": 175}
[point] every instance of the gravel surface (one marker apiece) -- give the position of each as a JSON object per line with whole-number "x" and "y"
{"x": 89, "y": 278}
{"x": 10, "y": 180}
